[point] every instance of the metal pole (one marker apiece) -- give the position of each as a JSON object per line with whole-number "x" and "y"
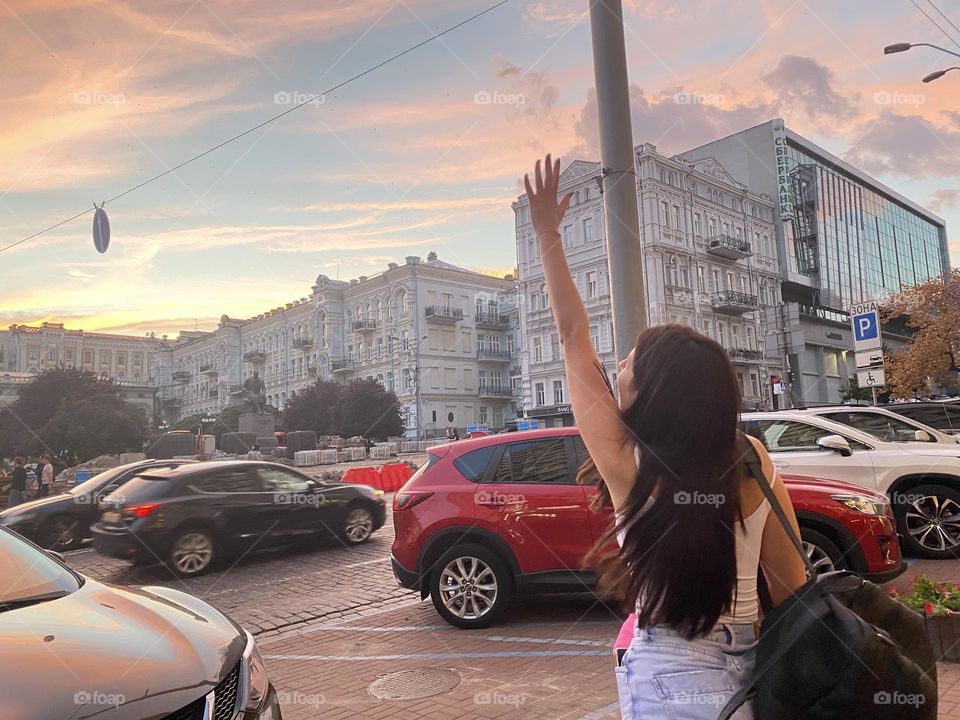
{"x": 624, "y": 255}
{"x": 873, "y": 391}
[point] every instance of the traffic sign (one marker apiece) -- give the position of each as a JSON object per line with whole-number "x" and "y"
{"x": 870, "y": 359}
{"x": 865, "y": 322}
{"x": 871, "y": 378}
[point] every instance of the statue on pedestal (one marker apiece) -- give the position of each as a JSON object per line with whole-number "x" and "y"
{"x": 254, "y": 399}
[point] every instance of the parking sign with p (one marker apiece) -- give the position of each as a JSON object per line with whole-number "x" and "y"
{"x": 865, "y": 323}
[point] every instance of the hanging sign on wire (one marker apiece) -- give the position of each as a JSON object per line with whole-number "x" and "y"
{"x": 101, "y": 228}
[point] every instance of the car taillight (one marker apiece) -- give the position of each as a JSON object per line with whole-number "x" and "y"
{"x": 139, "y": 511}
{"x": 407, "y": 500}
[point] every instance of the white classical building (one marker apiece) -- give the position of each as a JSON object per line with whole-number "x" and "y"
{"x": 709, "y": 261}
{"x": 440, "y": 336}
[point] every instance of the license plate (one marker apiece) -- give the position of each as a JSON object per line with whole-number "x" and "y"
{"x": 112, "y": 517}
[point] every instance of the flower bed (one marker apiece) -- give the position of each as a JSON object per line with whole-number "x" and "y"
{"x": 940, "y": 604}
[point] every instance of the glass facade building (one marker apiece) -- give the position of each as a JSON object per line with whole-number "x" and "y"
{"x": 857, "y": 242}
{"x": 843, "y": 238}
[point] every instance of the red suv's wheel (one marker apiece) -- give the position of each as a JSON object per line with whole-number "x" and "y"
{"x": 470, "y": 586}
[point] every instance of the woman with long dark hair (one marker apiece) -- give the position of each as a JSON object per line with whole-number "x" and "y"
{"x": 693, "y": 527}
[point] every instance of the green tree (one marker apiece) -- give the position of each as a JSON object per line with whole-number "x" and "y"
{"x": 369, "y": 409}
{"x": 313, "y": 408}
{"x": 70, "y": 411}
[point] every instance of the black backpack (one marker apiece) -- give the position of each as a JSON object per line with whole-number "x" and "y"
{"x": 838, "y": 649}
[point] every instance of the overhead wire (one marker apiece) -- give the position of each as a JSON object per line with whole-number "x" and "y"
{"x": 266, "y": 122}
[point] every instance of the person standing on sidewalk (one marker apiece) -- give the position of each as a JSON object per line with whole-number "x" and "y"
{"x": 690, "y": 521}
{"x": 18, "y": 483}
{"x": 46, "y": 476}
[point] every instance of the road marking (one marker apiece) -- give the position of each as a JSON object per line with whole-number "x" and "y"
{"x": 549, "y": 641}
{"x": 442, "y": 656}
{"x": 603, "y": 712}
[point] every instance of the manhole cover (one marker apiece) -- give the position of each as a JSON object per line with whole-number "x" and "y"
{"x": 414, "y": 684}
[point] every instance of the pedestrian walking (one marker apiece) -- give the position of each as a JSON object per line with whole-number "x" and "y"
{"x": 18, "y": 483}
{"x": 690, "y": 522}
{"x": 45, "y": 470}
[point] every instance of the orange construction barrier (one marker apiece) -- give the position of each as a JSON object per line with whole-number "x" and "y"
{"x": 394, "y": 476}
{"x": 363, "y": 476}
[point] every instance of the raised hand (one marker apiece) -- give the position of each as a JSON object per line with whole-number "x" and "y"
{"x": 546, "y": 211}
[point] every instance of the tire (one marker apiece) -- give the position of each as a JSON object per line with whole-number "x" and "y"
{"x": 928, "y": 520}
{"x": 61, "y": 532}
{"x": 822, "y": 551}
{"x": 470, "y": 562}
{"x": 357, "y": 525}
{"x": 193, "y": 551}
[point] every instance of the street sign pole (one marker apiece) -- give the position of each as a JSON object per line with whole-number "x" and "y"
{"x": 618, "y": 174}
{"x": 873, "y": 390}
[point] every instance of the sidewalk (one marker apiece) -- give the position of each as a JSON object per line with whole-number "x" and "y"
{"x": 551, "y": 662}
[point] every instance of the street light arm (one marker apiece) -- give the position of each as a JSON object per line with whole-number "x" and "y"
{"x": 903, "y": 47}
{"x": 938, "y": 74}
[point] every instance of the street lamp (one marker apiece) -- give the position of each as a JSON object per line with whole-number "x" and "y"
{"x": 416, "y": 382}
{"x": 903, "y": 47}
{"x": 939, "y": 74}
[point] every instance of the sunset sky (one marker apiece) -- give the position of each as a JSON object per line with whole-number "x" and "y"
{"x": 103, "y": 95}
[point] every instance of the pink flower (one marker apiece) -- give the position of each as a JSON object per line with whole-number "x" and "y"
{"x": 946, "y": 594}
{"x": 892, "y": 591}
{"x": 928, "y": 609}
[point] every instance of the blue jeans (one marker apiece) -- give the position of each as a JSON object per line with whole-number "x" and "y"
{"x": 664, "y": 675}
{"x": 16, "y": 497}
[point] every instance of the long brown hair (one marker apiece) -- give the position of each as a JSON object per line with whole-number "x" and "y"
{"x": 677, "y": 564}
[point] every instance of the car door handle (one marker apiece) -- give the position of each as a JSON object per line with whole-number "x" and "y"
{"x": 492, "y": 502}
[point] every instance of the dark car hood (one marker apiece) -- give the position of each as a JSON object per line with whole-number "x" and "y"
{"x": 75, "y": 657}
{"x": 63, "y": 499}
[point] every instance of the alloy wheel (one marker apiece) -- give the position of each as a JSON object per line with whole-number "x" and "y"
{"x": 468, "y": 587}
{"x": 192, "y": 553}
{"x": 358, "y": 525}
{"x": 61, "y": 534}
{"x": 818, "y": 558}
{"x": 934, "y": 522}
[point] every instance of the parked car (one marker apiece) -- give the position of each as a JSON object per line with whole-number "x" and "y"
{"x": 192, "y": 516}
{"x": 118, "y": 653}
{"x": 922, "y": 479}
{"x": 882, "y": 423}
{"x": 944, "y": 416}
{"x": 62, "y": 522}
{"x": 485, "y": 518}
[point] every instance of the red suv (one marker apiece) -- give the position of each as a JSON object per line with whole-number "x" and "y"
{"x": 488, "y": 517}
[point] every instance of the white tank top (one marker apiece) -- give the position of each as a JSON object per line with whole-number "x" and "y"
{"x": 745, "y": 607}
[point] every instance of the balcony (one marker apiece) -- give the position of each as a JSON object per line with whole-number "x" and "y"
{"x": 494, "y": 391}
{"x": 302, "y": 342}
{"x": 733, "y": 302}
{"x": 729, "y": 247}
{"x": 495, "y": 355}
{"x": 182, "y": 375}
{"x": 364, "y": 325}
{"x": 254, "y": 356}
{"x": 442, "y": 314}
{"x": 742, "y": 354}
{"x": 342, "y": 365}
{"x": 491, "y": 321}
{"x": 208, "y": 370}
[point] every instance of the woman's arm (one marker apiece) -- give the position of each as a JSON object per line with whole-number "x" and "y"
{"x": 782, "y": 566}
{"x": 608, "y": 440}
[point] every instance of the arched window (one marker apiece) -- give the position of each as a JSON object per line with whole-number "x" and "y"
{"x": 378, "y": 311}
{"x": 402, "y": 302}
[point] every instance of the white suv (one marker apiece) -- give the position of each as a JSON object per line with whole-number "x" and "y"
{"x": 921, "y": 478}
{"x": 883, "y": 424}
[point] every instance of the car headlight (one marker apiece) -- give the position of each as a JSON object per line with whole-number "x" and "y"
{"x": 257, "y": 683}
{"x": 865, "y": 505}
